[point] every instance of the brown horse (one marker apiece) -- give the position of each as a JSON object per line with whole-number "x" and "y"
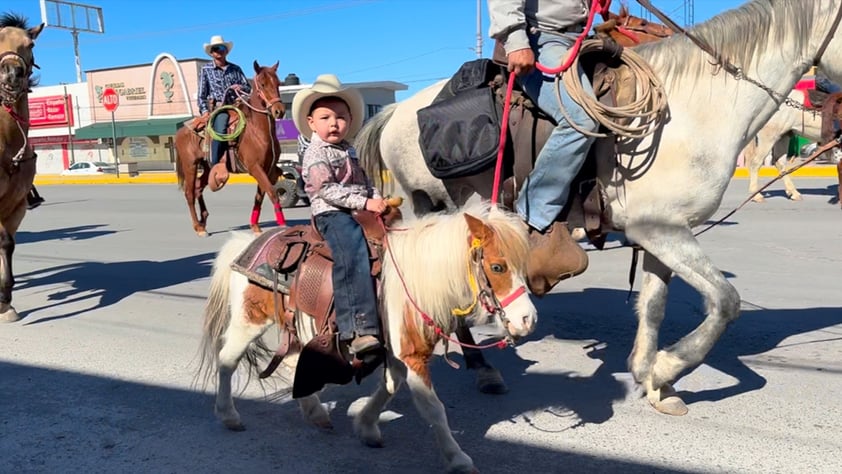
{"x": 628, "y": 30}
{"x": 17, "y": 160}
{"x": 257, "y": 150}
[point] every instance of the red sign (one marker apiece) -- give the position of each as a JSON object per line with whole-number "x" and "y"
{"x": 110, "y": 99}
{"x": 50, "y": 111}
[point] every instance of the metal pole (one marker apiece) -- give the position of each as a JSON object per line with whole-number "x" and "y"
{"x": 114, "y": 141}
{"x": 76, "y": 52}
{"x": 69, "y": 113}
{"x": 479, "y": 28}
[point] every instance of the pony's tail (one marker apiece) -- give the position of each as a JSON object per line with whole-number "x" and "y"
{"x": 217, "y": 309}
{"x": 367, "y": 144}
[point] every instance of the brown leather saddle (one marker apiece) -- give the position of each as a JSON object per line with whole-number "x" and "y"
{"x": 199, "y": 126}
{"x": 529, "y": 128}
{"x": 296, "y": 261}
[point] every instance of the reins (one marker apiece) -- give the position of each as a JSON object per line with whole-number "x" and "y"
{"x": 818, "y": 152}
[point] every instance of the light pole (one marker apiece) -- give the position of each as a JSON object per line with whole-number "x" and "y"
{"x": 479, "y": 28}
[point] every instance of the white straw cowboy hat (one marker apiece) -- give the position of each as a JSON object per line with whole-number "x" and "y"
{"x": 327, "y": 85}
{"x": 217, "y": 40}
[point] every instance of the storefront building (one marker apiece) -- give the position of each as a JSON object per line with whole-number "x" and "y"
{"x": 71, "y": 124}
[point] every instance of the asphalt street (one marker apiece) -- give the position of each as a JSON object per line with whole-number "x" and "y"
{"x": 111, "y": 281}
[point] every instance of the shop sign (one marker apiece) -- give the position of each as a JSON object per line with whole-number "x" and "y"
{"x": 50, "y": 111}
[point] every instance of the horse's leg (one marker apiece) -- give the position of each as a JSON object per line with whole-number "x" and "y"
{"x": 201, "y": 184}
{"x": 489, "y": 379}
{"x": 754, "y": 159}
{"x": 8, "y": 228}
{"x": 432, "y": 411}
{"x": 784, "y": 163}
{"x": 365, "y": 423}
{"x": 192, "y": 189}
{"x": 677, "y": 249}
{"x": 313, "y": 410}
{"x": 264, "y": 186}
{"x": 839, "y": 174}
{"x": 651, "y": 306}
{"x": 248, "y": 322}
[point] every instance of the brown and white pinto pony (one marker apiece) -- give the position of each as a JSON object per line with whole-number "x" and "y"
{"x": 258, "y": 150}
{"x": 17, "y": 160}
{"x": 481, "y": 268}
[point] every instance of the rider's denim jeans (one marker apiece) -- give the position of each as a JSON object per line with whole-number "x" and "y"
{"x": 353, "y": 286}
{"x": 546, "y": 189}
{"x": 220, "y": 125}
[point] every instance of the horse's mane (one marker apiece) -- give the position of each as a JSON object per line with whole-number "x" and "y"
{"x": 733, "y": 34}
{"x": 432, "y": 257}
{"x": 14, "y": 20}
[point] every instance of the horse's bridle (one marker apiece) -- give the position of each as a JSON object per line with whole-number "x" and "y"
{"x": 736, "y": 71}
{"x": 487, "y": 298}
{"x": 9, "y": 96}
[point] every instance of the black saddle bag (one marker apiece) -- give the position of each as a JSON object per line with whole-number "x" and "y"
{"x": 460, "y": 130}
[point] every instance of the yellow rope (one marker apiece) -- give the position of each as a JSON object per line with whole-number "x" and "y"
{"x": 472, "y": 282}
{"x": 226, "y": 137}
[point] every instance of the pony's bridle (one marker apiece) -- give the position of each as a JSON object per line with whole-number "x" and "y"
{"x": 485, "y": 295}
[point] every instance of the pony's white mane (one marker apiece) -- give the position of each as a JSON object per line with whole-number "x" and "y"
{"x": 432, "y": 258}
{"x": 733, "y": 34}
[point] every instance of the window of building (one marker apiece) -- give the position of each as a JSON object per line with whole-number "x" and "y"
{"x": 373, "y": 109}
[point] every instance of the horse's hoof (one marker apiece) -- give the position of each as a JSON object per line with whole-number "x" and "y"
{"x": 9, "y": 316}
{"x": 667, "y": 401}
{"x": 235, "y": 425}
{"x": 490, "y": 381}
{"x": 324, "y": 425}
{"x": 796, "y": 197}
{"x": 202, "y": 233}
{"x": 758, "y": 198}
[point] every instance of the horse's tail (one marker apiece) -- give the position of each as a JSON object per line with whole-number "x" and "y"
{"x": 217, "y": 309}
{"x": 367, "y": 144}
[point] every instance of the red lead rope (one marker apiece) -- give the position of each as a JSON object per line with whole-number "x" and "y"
{"x": 600, "y": 6}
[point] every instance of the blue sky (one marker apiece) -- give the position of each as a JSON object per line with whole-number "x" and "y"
{"x": 415, "y": 42}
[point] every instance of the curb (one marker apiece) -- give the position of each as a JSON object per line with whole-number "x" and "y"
{"x": 818, "y": 171}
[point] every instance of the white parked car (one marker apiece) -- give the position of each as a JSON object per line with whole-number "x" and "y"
{"x": 89, "y": 168}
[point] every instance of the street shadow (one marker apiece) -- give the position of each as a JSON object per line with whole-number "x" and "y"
{"x": 117, "y": 424}
{"x": 833, "y": 190}
{"x": 781, "y": 193}
{"x": 82, "y": 232}
{"x": 603, "y": 325}
{"x": 108, "y": 283}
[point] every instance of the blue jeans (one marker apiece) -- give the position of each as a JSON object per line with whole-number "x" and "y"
{"x": 824, "y": 84}
{"x": 353, "y": 285}
{"x": 546, "y": 189}
{"x": 218, "y": 148}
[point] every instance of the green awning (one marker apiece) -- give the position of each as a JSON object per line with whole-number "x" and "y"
{"x": 132, "y": 128}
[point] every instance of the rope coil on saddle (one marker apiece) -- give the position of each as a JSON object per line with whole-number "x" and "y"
{"x": 638, "y": 119}
{"x": 226, "y": 137}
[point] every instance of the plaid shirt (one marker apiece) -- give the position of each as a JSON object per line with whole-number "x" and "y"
{"x": 333, "y": 178}
{"x": 216, "y": 82}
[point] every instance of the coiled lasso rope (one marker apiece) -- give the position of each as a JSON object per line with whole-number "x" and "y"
{"x": 637, "y": 119}
{"x": 226, "y": 137}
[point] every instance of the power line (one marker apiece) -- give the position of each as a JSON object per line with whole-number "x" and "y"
{"x": 243, "y": 21}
